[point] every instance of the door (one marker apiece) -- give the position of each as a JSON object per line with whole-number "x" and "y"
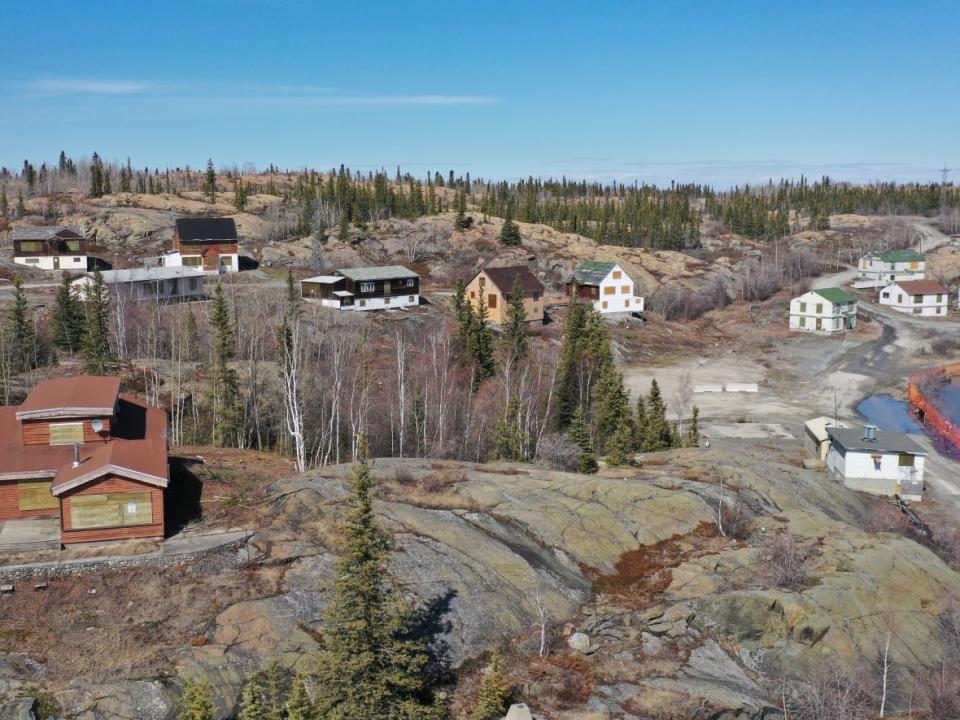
{"x": 819, "y": 324}
{"x": 386, "y": 287}
{"x": 56, "y": 262}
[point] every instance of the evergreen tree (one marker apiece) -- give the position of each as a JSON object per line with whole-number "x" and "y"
{"x": 480, "y": 345}
{"x": 210, "y": 182}
{"x": 462, "y": 220}
{"x": 191, "y": 335}
{"x": 96, "y": 176}
{"x": 611, "y": 405}
{"x": 107, "y": 188}
{"x": 20, "y": 330}
{"x": 580, "y": 434}
{"x": 510, "y": 440}
{"x": 224, "y": 383}
{"x": 567, "y": 385}
{"x": 620, "y": 446}
{"x": 659, "y": 435}
{"x": 494, "y": 692}
{"x": 641, "y": 424}
{"x": 67, "y": 318}
{"x": 4, "y": 203}
{"x": 299, "y": 706}
{"x": 21, "y": 208}
{"x": 251, "y": 702}
{"x": 371, "y": 666}
{"x": 675, "y": 439}
{"x": 693, "y": 431}
{"x": 343, "y": 234}
{"x": 515, "y": 335}
{"x": 510, "y": 233}
{"x": 276, "y": 688}
{"x": 240, "y": 195}
{"x": 196, "y": 703}
{"x": 95, "y": 346}
{"x": 462, "y": 310}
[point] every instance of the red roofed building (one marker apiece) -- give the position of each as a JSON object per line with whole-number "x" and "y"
{"x": 926, "y": 298}
{"x": 80, "y": 450}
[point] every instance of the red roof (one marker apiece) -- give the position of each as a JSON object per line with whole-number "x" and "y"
{"x": 79, "y": 396}
{"x": 922, "y": 287}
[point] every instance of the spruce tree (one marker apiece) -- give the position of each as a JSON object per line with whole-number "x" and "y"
{"x": 210, "y": 182}
{"x": 510, "y": 441}
{"x": 494, "y": 692}
{"x": 462, "y": 220}
{"x": 641, "y": 424}
{"x": 299, "y": 706}
{"x": 480, "y": 345}
{"x": 67, "y": 317}
{"x": 510, "y": 233}
{"x": 371, "y": 666}
{"x": 620, "y": 446}
{"x": 4, "y": 203}
{"x": 462, "y": 310}
{"x": 611, "y": 405}
{"x": 95, "y": 347}
{"x": 224, "y": 383}
{"x": 659, "y": 434}
{"x": 693, "y": 431}
{"x": 515, "y": 335}
{"x": 580, "y": 434}
{"x": 567, "y": 385}
{"x": 240, "y": 195}
{"x": 276, "y": 688}
{"x": 21, "y": 208}
{"x": 251, "y": 702}
{"x": 196, "y": 703}
{"x": 23, "y": 337}
{"x": 107, "y": 188}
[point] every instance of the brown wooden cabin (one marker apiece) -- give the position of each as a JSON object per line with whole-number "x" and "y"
{"x": 495, "y": 284}
{"x": 80, "y": 450}
{"x": 206, "y": 242}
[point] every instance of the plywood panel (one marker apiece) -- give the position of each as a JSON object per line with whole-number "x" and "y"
{"x": 37, "y": 432}
{"x": 10, "y": 508}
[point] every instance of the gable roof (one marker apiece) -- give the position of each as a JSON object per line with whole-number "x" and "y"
{"x": 142, "y": 460}
{"x": 921, "y": 287}
{"x": 79, "y": 396}
{"x": 592, "y": 273}
{"x": 886, "y": 442}
{"x": 386, "y": 272}
{"x": 204, "y": 228}
{"x": 43, "y": 232}
{"x": 895, "y": 256}
{"x": 835, "y": 295}
{"x": 504, "y": 278}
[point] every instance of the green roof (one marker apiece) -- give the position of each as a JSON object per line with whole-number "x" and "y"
{"x": 592, "y": 273}
{"x": 895, "y": 256}
{"x": 835, "y": 295}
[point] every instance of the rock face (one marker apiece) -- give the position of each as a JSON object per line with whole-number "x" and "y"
{"x": 496, "y": 541}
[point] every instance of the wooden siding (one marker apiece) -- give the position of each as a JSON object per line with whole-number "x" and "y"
{"x": 197, "y": 248}
{"x": 10, "y": 501}
{"x": 532, "y": 306}
{"x": 37, "y": 432}
{"x": 112, "y": 484}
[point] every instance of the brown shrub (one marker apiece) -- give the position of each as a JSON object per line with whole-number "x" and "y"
{"x": 787, "y": 559}
{"x": 440, "y": 480}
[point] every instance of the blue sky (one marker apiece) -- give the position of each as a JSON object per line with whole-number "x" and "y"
{"x": 721, "y": 92}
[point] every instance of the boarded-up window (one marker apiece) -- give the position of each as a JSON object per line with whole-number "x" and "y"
{"x": 192, "y": 260}
{"x": 617, "y": 275}
{"x": 492, "y": 301}
{"x": 110, "y": 510}
{"x": 905, "y": 460}
{"x": 66, "y": 433}
{"x": 36, "y": 496}
{"x": 610, "y": 290}
{"x": 625, "y": 289}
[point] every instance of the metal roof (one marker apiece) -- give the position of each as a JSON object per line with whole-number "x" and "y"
{"x": 818, "y": 426}
{"x": 387, "y": 272}
{"x": 147, "y": 274}
{"x": 323, "y": 279}
{"x": 895, "y": 256}
{"x": 886, "y": 442}
{"x": 206, "y": 228}
{"x": 836, "y": 295}
{"x": 921, "y": 287}
{"x": 42, "y": 232}
{"x": 592, "y": 273}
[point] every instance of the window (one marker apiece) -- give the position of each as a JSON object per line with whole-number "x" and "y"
{"x": 626, "y": 303}
{"x": 174, "y": 287}
{"x": 819, "y": 310}
{"x": 939, "y": 297}
{"x": 899, "y": 298}
{"x": 473, "y": 295}
{"x": 917, "y": 311}
{"x": 226, "y": 260}
{"x": 625, "y": 289}
{"x": 604, "y": 304}
{"x": 362, "y": 302}
{"x": 492, "y": 301}
{"x": 386, "y": 301}
{"x": 73, "y": 245}
{"x": 914, "y": 265}
{"x": 939, "y": 311}
{"x": 66, "y": 433}
{"x": 31, "y": 246}
{"x": 876, "y": 462}
{"x": 76, "y": 259}
{"x": 803, "y": 307}
{"x": 367, "y": 287}
{"x": 408, "y": 282}
{"x": 110, "y": 510}
{"x": 917, "y": 299}
{"x": 36, "y": 496}
{"x": 193, "y": 284}
{"x": 905, "y": 460}
{"x": 191, "y": 260}
{"x": 483, "y": 281}
{"x": 609, "y": 290}
{"x": 803, "y": 322}
{"x": 617, "y": 274}
{"x": 32, "y": 261}
{"x": 886, "y": 295}
{"x": 412, "y": 298}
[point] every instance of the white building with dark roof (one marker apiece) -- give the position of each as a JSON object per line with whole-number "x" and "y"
{"x": 364, "y": 288}
{"x": 876, "y": 461}
{"x": 50, "y": 247}
{"x": 164, "y": 284}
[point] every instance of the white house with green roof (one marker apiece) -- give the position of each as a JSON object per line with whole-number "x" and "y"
{"x": 878, "y": 269}
{"x": 825, "y": 310}
{"x": 606, "y": 285}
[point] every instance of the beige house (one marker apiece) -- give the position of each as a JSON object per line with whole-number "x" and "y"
{"x": 494, "y": 285}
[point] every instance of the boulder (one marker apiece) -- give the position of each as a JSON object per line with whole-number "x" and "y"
{"x": 579, "y": 641}
{"x": 19, "y": 709}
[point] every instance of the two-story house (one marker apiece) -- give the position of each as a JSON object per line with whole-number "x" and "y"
{"x": 208, "y": 244}
{"x": 880, "y": 268}
{"x": 606, "y": 285}
{"x": 495, "y": 284}
{"x": 364, "y": 288}
{"x": 79, "y": 450}
{"x": 50, "y": 247}
{"x": 927, "y": 298}
{"x": 825, "y": 310}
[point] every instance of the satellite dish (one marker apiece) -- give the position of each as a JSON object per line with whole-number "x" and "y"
{"x": 96, "y": 424}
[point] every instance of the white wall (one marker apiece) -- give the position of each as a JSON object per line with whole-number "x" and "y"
{"x": 621, "y": 298}
{"x": 860, "y": 472}
{"x": 902, "y": 301}
{"x": 831, "y": 319}
{"x": 175, "y": 259}
{"x": 873, "y": 272}
{"x": 46, "y": 262}
{"x": 376, "y": 303}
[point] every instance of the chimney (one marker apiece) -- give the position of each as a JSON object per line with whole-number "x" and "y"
{"x": 76, "y": 455}
{"x": 870, "y": 433}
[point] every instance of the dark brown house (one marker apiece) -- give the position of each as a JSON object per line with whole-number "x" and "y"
{"x": 364, "y": 288}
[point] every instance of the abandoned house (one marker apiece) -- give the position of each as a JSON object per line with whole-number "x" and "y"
{"x": 207, "y": 244}
{"x": 494, "y": 285}
{"x": 364, "y": 288}
{"x": 926, "y": 298}
{"x": 877, "y": 269}
{"x": 876, "y": 461}
{"x": 827, "y": 310}
{"x": 82, "y": 452}
{"x": 163, "y": 284}
{"x": 606, "y": 285}
{"x": 816, "y": 439}
{"x": 50, "y": 247}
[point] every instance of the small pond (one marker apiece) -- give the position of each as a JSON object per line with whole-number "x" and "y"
{"x": 889, "y": 414}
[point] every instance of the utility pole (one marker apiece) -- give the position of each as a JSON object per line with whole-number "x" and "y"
{"x": 944, "y": 177}
{"x": 836, "y": 407}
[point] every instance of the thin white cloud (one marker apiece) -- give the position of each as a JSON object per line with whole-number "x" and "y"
{"x": 65, "y": 86}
